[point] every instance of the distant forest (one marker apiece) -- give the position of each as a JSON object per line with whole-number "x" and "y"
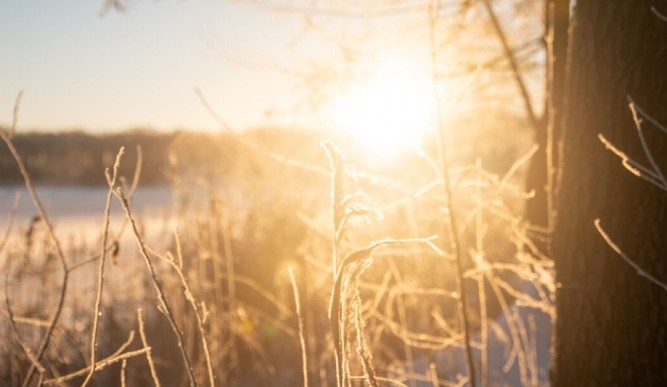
{"x": 79, "y": 158}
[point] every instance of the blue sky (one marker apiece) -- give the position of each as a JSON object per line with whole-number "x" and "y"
{"x": 80, "y": 70}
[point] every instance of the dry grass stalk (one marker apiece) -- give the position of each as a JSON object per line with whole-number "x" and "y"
{"x": 337, "y": 197}
{"x": 123, "y": 373}
{"x": 345, "y": 297}
{"x": 514, "y": 326}
{"x": 356, "y": 305}
{"x": 479, "y": 259}
{"x": 111, "y": 181}
{"x": 12, "y": 321}
{"x": 144, "y": 341}
{"x": 6, "y": 137}
{"x": 337, "y": 213}
{"x": 302, "y": 338}
{"x": 163, "y": 305}
{"x": 402, "y": 316}
{"x": 445, "y": 176}
{"x": 338, "y": 300}
{"x": 231, "y": 283}
{"x": 117, "y": 356}
{"x": 177, "y": 263}
{"x": 433, "y": 373}
{"x": 10, "y": 221}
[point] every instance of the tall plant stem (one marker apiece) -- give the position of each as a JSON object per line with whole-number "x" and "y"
{"x": 6, "y": 137}
{"x": 163, "y": 305}
{"x": 111, "y": 181}
{"x": 445, "y": 176}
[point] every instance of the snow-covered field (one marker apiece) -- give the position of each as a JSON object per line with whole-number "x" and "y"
{"x": 78, "y": 213}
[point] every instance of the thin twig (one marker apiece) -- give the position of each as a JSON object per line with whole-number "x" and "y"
{"x": 640, "y": 271}
{"x": 513, "y": 325}
{"x": 91, "y": 259}
{"x": 144, "y": 341}
{"x": 652, "y": 175}
{"x": 371, "y": 178}
{"x": 98, "y": 366}
{"x": 254, "y": 285}
{"x": 111, "y": 181}
{"x": 299, "y": 316}
{"x": 659, "y": 14}
{"x": 633, "y": 166}
{"x": 231, "y": 284}
{"x": 446, "y": 178}
{"x": 403, "y": 318}
{"x": 15, "y": 116}
{"x": 650, "y": 119}
{"x": 523, "y": 160}
{"x": 380, "y": 379}
{"x": 137, "y": 172}
{"x": 12, "y": 321}
{"x": 114, "y": 358}
{"x": 52, "y": 236}
{"x": 525, "y": 96}
{"x": 189, "y": 296}
{"x": 250, "y": 145}
{"x": 163, "y": 304}
{"x": 478, "y": 257}
{"x": 640, "y": 134}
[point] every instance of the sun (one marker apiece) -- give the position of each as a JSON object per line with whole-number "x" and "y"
{"x": 389, "y": 112}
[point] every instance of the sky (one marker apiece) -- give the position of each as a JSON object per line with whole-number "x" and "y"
{"x": 256, "y": 66}
{"x": 83, "y": 70}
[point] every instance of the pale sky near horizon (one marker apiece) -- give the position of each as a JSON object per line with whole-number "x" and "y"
{"x": 81, "y": 70}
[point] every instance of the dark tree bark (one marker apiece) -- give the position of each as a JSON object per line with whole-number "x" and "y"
{"x": 612, "y": 323}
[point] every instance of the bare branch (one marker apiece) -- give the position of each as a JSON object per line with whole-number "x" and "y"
{"x": 633, "y": 166}
{"x": 513, "y": 65}
{"x": 647, "y": 150}
{"x": 650, "y": 119}
{"x": 523, "y": 160}
{"x": 640, "y": 271}
{"x": 659, "y": 14}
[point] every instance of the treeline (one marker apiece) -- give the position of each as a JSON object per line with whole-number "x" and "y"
{"x": 79, "y": 158}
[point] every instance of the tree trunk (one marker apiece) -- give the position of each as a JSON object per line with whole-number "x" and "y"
{"x": 612, "y": 323}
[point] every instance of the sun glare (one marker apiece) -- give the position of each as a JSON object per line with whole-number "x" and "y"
{"x": 388, "y": 113}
